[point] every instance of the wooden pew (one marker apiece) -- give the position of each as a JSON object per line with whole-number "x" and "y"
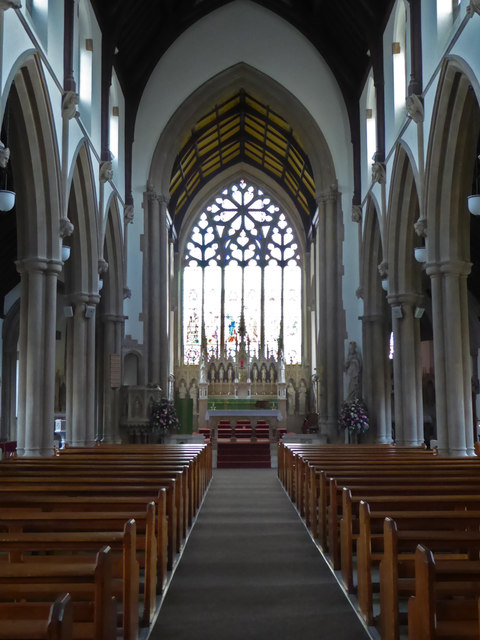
{"x": 37, "y": 620}
{"x": 108, "y": 527}
{"x": 89, "y": 585}
{"x": 70, "y": 547}
{"x": 445, "y": 605}
{"x": 397, "y": 570}
{"x": 89, "y": 486}
{"x": 459, "y": 514}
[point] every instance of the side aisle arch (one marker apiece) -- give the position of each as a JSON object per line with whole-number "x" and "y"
{"x": 376, "y": 325}
{"x": 81, "y": 293}
{"x": 36, "y": 177}
{"x": 449, "y": 174}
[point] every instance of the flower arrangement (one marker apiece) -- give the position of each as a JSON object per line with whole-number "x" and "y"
{"x": 163, "y": 416}
{"x": 354, "y": 416}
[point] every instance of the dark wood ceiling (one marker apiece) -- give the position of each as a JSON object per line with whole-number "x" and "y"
{"x": 343, "y": 31}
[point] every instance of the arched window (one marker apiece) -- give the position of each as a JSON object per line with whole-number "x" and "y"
{"x": 400, "y": 58}
{"x": 371, "y": 122}
{"x": 242, "y": 266}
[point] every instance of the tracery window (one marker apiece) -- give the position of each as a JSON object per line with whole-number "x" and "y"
{"x": 242, "y": 256}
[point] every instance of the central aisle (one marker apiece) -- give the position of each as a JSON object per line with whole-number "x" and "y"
{"x": 250, "y": 571}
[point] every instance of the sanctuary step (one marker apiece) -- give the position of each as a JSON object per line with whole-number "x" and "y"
{"x": 246, "y": 455}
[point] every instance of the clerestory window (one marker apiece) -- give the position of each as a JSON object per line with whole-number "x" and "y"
{"x": 242, "y": 256}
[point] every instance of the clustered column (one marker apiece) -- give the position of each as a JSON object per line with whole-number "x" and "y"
{"x": 329, "y": 327}
{"x": 36, "y": 369}
{"x": 452, "y": 357}
{"x": 407, "y": 370}
{"x": 376, "y": 377}
{"x": 156, "y": 292}
{"x": 81, "y": 371}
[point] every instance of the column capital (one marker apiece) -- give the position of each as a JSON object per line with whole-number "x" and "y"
{"x": 448, "y": 267}
{"x": 65, "y": 228}
{"x": 328, "y": 195}
{"x": 473, "y": 8}
{"x": 379, "y": 173}
{"x": 128, "y": 213}
{"x": 41, "y": 265}
{"x": 407, "y": 297}
{"x": 356, "y": 213}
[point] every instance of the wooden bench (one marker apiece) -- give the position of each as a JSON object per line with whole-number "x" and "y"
{"x": 37, "y": 620}
{"x": 71, "y": 547}
{"x": 107, "y": 526}
{"x": 459, "y": 512}
{"x": 89, "y": 585}
{"x": 397, "y": 570}
{"x": 446, "y": 601}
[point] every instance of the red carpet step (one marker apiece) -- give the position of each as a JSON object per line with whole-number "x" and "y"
{"x": 243, "y": 455}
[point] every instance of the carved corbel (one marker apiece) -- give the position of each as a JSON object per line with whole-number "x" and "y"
{"x": 10, "y": 4}
{"x": 383, "y": 270}
{"x": 360, "y": 293}
{"x": 128, "y": 213}
{"x": 415, "y": 108}
{"x": 66, "y": 228}
{"x": 421, "y": 227}
{"x": 4, "y": 155}
{"x": 356, "y": 213}
{"x": 106, "y": 171}
{"x": 473, "y": 8}
{"x": 102, "y": 266}
{"x": 127, "y": 293}
{"x": 378, "y": 173}
{"x": 69, "y": 105}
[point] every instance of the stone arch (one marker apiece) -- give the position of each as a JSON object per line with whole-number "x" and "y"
{"x": 405, "y": 298}
{"x": 220, "y": 87}
{"x": 110, "y": 328}
{"x": 404, "y": 274}
{"x": 81, "y": 290}
{"x": 376, "y": 325}
{"x": 36, "y": 175}
{"x": 83, "y": 213}
{"x": 448, "y": 178}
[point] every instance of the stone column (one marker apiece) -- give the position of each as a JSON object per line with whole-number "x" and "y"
{"x": 36, "y": 367}
{"x": 151, "y": 290}
{"x": 407, "y": 373}
{"x": 329, "y": 338}
{"x": 452, "y": 357}
{"x": 163, "y": 283}
{"x": 112, "y": 344}
{"x": 81, "y": 372}
{"x": 376, "y": 378}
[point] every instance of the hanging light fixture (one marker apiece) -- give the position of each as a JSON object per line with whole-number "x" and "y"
{"x": 420, "y": 254}
{"x": 474, "y": 200}
{"x": 7, "y": 197}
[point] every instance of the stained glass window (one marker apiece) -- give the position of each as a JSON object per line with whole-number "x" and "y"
{"x": 247, "y": 250}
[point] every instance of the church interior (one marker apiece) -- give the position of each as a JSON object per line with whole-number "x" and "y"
{"x": 241, "y": 222}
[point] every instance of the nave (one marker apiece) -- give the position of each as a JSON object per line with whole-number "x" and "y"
{"x": 250, "y": 570}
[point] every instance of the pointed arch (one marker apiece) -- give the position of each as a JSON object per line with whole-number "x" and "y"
{"x": 405, "y": 272}
{"x": 221, "y": 87}
{"x": 35, "y": 163}
{"x": 114, "y": 278}
{"x": 82, "y": 267}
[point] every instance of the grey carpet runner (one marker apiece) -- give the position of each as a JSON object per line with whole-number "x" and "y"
{"x": 251, "y": 572}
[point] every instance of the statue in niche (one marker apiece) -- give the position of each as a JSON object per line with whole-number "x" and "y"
{"x": 264, "y": 373}
{"x": 302, "y": 397}
{"x": 353, "y": 369}
{"x": 254, "y": 373}
{"x": 291, "y": 398}
{"x": 230, "y": 374}
{"x": 182, "y": 389}
{"x": 221, "y": 373}
{"x": 314, "y": 392}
